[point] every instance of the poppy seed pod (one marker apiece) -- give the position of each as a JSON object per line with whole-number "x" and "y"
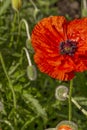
{"x": 16, "y": 4}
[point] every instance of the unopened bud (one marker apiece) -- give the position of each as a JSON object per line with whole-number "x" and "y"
{"x": 61, "y": 93}
{"x": 28, "y": 45}
{"x": 16, "y": 4}
{"x": 31, "y": 72}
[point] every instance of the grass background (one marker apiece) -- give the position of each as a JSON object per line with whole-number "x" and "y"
{"x": 26, "y": 104}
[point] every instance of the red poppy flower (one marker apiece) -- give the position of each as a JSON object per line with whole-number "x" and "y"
{"x": 60, "y": 46}
{"x": 64, "y": 127}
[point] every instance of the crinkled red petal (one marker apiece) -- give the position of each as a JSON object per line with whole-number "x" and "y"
{"x": 52, "y": 69}
{"x": 77, "y": 31}
{"x": 46, "y": 38}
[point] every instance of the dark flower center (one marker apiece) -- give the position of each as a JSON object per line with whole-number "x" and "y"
{"x": 68, "y": 47}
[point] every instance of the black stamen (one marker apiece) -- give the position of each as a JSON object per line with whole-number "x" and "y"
{"x": 68, "y": 47}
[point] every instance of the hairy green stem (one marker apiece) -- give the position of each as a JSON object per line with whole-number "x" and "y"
{"x": 27, "y": 28}
{"x": 78, "y": 106}
{"x": 13, "y": 29}
{"x": 83, "y": 8}
{"x": 69, "y": 99}
{"x": 9, "y": 81}
{"x": 7, "y": 123}
{"x": 28, "y": 122}
{"x": 28, "y": 56}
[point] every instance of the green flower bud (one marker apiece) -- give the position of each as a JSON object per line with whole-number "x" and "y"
{"x": 31, "y": 72}
{"x": 61, "y": 93}
{"x": 28, "y": 45}
{"x": 16, "y": 4}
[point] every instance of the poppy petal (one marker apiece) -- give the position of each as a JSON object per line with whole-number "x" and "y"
{"x": 46, "y": 36}
{"x": 53, "y": 69}
{"x": 54, "y": 35}
{"x": 77, "y": 31}
{"x": 48, "y": 33}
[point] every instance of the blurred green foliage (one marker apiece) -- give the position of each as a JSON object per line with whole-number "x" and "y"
{"x": 31, "y": 104}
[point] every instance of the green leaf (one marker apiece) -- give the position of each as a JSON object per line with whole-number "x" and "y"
{"x": 5, "y": 6}
{"x": 35, "y": 104}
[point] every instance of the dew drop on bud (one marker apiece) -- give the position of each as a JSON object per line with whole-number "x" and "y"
{"x": 66, "y": 125}
{"x": 61, "y": 93}
{"x": 31, "y": 72}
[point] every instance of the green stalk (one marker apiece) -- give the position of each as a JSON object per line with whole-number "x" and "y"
{"x": 7, "y": 123}
{"x": 9, "y": 81}
{"x": 13, "y": 29}
{"x": 70, "y": 102}
{"x": 78, "y": 106}
{"x": 83, "y": 8}
{"x": 28, "y": 122}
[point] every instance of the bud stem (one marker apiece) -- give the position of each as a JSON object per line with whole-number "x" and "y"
{"x": 69, "y": 99}
{"x": 78, "y": 106}
{"x": 9, "y": 81}
{"x": 27, "y": 27}
{"x": 28, "y": 56}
